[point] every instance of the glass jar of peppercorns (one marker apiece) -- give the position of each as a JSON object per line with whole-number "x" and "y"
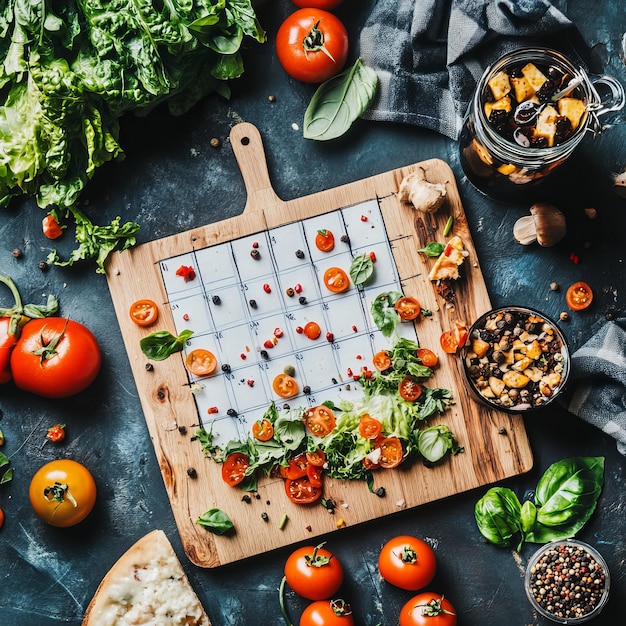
{"x": 530, "y": 110}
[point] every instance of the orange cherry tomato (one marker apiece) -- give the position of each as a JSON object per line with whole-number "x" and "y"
{"x": 325, "y": 240}
{"x": 382, "y": 360}
{"x": 144, "y": 312}
{"x": 234, "y": 468}
{"x": 201, "y": 362}
{"x": 262, "y": 430}
{"x": 312, "y": 330}
{"x": 409, "y": 389}
{"x": 452, "y": 340}
{"x": 285, "y": 386}
{"x": 320, "y": 420}
{"x": 427, "y": 357}
{"x": 318, "y": 457}
{"x": 408, "y": 308}
{"x": 314, "y": 474}
{"x": 296, "y": 467}
{"x": 51, "y": 228}
{"x": 391, "y": 453}
{"x": 369, "y": 464}
{"x": 578, "y": 296}
{"x": 336, "y": 280}
{"x": 301, "y": 491}
{"x": 407, "y": 562}
{"x": 369, "y": 427}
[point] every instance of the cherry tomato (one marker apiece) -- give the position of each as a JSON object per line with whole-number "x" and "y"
{"x": 318, "y": 458}
{"x": 408, "y": 308}
{"x": 144, "y": 312}
{"x": 51, "y": 228}
{"x": 382, "y": 360}
{"x": 391, "y": 452}
{"x": 301, "y": 491}
{"x": 315, "y": 475}
{"x": 427, "y": 357}
{"x": 1, "y": 518}
{"x": 312, "y": 45}
{"x": 369, "y": 427}
{"x": 317, "y": 4}
{"x": 55, "y": 358}
{"x": 312, "y": 330}
{"x": 56, "y": 433}
{"x": 285, "y": 386}
{"x": 578, "y": 296}
{"x": 201, "y": 362}
{"x": 452, "y": 340}
{"x": 314, "y": 572}
{"x": 336, "y": 280}
{"x": 262, "y": 429}
{"x": 319, "y": 420}
{"x": 428, "y": 609}
{"x": 325, "y": 240}
{"x": 407, "y": 562}
{"x": 296, "y": 467}
{"x": 234, "y": 468}
{"x": 62, "y": 492}
{"x": 335, "y": 612}
{"x": 409, "y": 389}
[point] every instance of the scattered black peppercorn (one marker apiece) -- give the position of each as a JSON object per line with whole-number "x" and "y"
{"x": 257, "y": 496}
{"x": 246, "y": 498}
{"x": 255, "y": 254}
{"x": 225, "y": 367}
{"x": 231, "y": 412}
{"x": 302, "y": 300}
{"x": 264, "y": 516}
{"x": 345, "y": 239}
{"x": 286, "y": 406}
{"x": 215, "y": 142}
{"x": 329, "y": 504}
{"x": 149, "y": 367}
{"x": 17, "y": 253}
{"x": 182, "y": 429}
{"x": 216, "y": 299}
{"x": 306, "y": 390}
{"x": 252, "y": 304}
{"x": 290, "y": 292}
{"x": 264, "y": 354}
{"x": 191, "y": 472}
{"x": 381, "y": 492}
{"x": 300, "y": 254}
{"x": 42, "y": 265}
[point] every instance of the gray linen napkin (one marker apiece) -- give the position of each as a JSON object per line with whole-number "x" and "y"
{"x": 597, "y": 388}
{"x": 429, "y": 54}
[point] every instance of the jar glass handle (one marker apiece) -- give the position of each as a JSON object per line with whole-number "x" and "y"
{"x": 613, "y": 100}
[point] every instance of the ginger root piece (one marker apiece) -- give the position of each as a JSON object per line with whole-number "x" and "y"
{"x": 422, "y": 194}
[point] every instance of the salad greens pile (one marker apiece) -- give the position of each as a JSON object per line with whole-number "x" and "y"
{"x": 69, "y": 70}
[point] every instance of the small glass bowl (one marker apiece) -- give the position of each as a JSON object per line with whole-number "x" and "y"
{"x": 476, "y": 366}
{"x": 571, "y": 548}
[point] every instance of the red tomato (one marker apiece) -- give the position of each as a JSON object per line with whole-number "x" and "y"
{"x": 144, "y": 312}
{"x": 452, "y": 340}
{"x": 336, "y": 280}
{"x": 296, "y": 467}
{"x": 285, "y": 386}
{"x": 262, "y": 430}
{"x": 301, "y": 491}
{"x": 317, "y": 4}
{"x": 391, "y": 453}
{"x": 312, "y": 330}
{"x": 234, "y": 468}
{"x": 51, "y": 228}
{"x": 327, "y": 613}
{"x": 312, "y": 45}
{"x": 408, "y": 308}
{"x": 56, "y": 433}
{"x": 62, "y": 492}
{"x": 409, "y": 389}
{"x": 320, "y": 420}
{"x": 325, "y": 240}
{"x": 578, "y": 296}
{"x": 382, "y": 360}
{"x": 55, "y": 358}
{"x": 201, "y": 362}
{"x": 317, "y": 458}
{"x": 314, "y": 572}
{"x": 315, "y": 475}
{"x": 427, "y": 357}
{"x": 407, "y": 562}
{"x": 369, "y": 427}
{"x": 428, "y": 609}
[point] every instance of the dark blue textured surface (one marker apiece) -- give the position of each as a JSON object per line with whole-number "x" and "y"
{"x": 172, "y": 180}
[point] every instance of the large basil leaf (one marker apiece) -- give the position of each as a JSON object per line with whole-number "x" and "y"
{"x": 339, "y": 102}
{"x": 498, "y": 515}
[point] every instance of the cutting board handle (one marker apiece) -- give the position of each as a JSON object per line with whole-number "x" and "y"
{"x": 248, "y": 148}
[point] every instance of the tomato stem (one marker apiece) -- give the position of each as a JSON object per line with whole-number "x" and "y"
{"x": 281, "y": 599}
{"x": 314, "y": 42}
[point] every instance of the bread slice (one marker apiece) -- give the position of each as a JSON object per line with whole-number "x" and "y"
{"x": 446, "y": 267}
{"x": 146, "y": 586}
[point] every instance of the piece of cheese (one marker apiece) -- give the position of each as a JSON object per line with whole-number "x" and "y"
{"x": 449, "y": 261}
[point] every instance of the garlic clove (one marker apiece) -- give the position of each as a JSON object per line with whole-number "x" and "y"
{"x": 524, "y": 230}
{"x": 546, "y": 225}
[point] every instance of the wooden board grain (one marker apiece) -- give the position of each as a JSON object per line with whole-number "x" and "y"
{"x": 495, "y": 443}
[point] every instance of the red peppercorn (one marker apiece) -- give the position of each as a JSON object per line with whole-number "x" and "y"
{"x": 267, "y": 288}
{"x": 186, "y": 317}
{"x": 298, "y": 288}
{"x": 212, "y": 409}
{"x": 299, "y": 330}
{"x": 250, "y": 382}
{"x": 255, "y": 244}
{"x": 373, "y": 256}
{"x": 330, "y": 337}
{"x": 364, "y": 218}
{"x": 268, "y": 344}
{"x": 243, "y": 356}
{"x": 278, "y": 332}
{"x": 354, "y": 328}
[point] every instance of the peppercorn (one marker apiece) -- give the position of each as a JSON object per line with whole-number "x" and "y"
{"x": 17, "y": 253}
{"x": 345, "y": 239}
{"x": 149, "y": 367}
{"x": 271, "y": 98}
{"x": 225, "y": 367}
{"x": 246, "y": 498}
{"x": 289, "y": 291}
{"x": 215, "y": 142}
{"x": 252, "y": 304}
{"x": 300, "y": 254}
{"x": 264, "y": 354}
{"x": 302, "y": 300}
{"x": 255, "y": 254}
{"x": 182, "y": 429}
{"x": 43, "y": 266}
{"x": 216, "y": 299}
{"x": 231, "y": 413}
{"x": 264, "y": 516}
{"x": 191, "y": 472}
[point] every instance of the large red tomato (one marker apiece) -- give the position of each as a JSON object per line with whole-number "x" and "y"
{"x": 314, "y": 572}
{"x": 407, "y": 562}
{"x": 312, "y": 45}
{"x": 428, "y": 609}
{"x": 55, "y": 358}
{"x": 327, "y": 613}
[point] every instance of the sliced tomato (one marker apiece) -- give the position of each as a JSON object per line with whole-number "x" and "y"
{"x": 452, "y": 340}
{"x": 369, "y": 464}
{"x": 578, "y": 296}
{"x": 314, "y": 474}
{"x": 391, "y": 453}
{"x": 369, "y": 427}
{"x": 409, "y": 389}
{"x": 336, "y": 280}
{"x": 319, "y": 420}
{"x": 317, "y": 458}
{"x": 382, "y": 360}
{"x": 301, "y": 491}
{"x": 201, "y": 362}
{"x": 296, "y": 467}
{"x": 234, "y": 468}
{"x": 144, "y": 312}
{"x": 51, "y": 228}
{"x": 285, "y": 386}
{"x": 324, "y": 240}
{"x": 262, "y": 430}
{"x": 427, "y": 357}
{"x": 408, "y": 308}
{"x": 312, "y": 330}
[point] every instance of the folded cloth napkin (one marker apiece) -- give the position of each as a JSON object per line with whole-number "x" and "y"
{"x": 597, "y": 388}
{"x": 429, "y": 54}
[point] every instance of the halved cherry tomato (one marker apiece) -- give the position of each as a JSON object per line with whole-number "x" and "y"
{"x": 317, "y": 458}
{"x": 296, "y": 467}
{"x": 51, "y": 228}
{"x": 408, "y": 308}
{"x": 285, "y": 386}
{"x": 301, "y": 491}
{"x": 314, "y": 474}
{"x": 452, "y": 340}
{"x": 382, "y": 360}
{"x": 144, "y": 312}
{"x": 325, "y": 240}
{"x": 578, "y": 296}
{"x": 262, "y": 429}
{"x": 234, "y": 468}
{"x": 369, "y": 464}
{"x": 312, "y": 330}
{"x": 391, "y": 453}
{"x": 369, "y": 427}
{"x": 336, "y": 280}
{"x": 201, "y": 362}
{"x": 427, "y": 357}
{"x": 320, "y": 420}
{"x": 409, "y": 389}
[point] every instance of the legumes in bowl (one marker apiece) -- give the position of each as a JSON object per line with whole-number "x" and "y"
{"x": 516, "y": 359}
{"x": 567, "y": 581}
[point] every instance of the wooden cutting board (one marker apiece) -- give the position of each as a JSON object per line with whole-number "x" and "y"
{"x": 495, "y": 443}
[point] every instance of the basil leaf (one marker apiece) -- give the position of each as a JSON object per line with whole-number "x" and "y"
{"x": 433, "y": 249}
{"x": 361, "y": 269}
{"x": 435, "y": 442}
{"x": 158, "y": 346}
{"x": 339, "y": 102}
{"x": 498, "y": 515}
{"x": 385, "y": 316}
{"x": 216, "y": 521}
